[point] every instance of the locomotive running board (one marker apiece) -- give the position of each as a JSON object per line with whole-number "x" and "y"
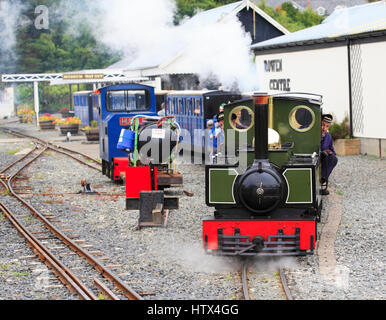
{"x": 276, "y": 245}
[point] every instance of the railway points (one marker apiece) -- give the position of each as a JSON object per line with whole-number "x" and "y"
{"x": 136, "y": 252}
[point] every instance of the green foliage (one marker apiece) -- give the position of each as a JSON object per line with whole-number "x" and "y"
{"x": 12, "y": 152}
{"x": 291, "y": 18}
{"x": 20, "y": 274}
{"x": 101, "y": 296}
{"x": 340, "y": 130}
{"x": 287, "y": 15}
{"x": 4, "y": 267}
{"x": 49, "y": 51}
{"x": 339, "y": 192}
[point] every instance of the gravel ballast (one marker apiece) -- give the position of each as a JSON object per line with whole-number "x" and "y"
{"x": 170, "y": 262}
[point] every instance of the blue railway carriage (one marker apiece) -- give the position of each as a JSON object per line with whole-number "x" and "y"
{"x": 160, "y": 97}
{"x": 118, "y": 104}
{"x": 86, "y": 106}
{"x": 193, "y": 108}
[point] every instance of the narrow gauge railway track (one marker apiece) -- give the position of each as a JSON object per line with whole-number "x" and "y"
{"x": 58, "y": 251}
{"x": 96, "y": 165}
{"x": 283, "y": 282}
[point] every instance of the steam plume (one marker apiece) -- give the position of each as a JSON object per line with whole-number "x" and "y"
{"x": 145, "y": 33}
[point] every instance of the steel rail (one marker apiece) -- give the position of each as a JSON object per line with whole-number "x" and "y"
{"x": 285, "y": 284}
{"x": 57, "y": 148}
{"x": 18, "y": 160}
{"x": 106, "y": 291}
{"x": 63, "y": 274}
{"x": 244, "y": 279}
{"x": 95, "y": 263}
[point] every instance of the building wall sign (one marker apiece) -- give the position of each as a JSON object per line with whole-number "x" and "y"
{"x": 276, "y": 65}
{"x": 279, "y": 84}
{"x": 322, "y": 71}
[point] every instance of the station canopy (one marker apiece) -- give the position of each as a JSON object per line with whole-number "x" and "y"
{"x": 345, "y": 22}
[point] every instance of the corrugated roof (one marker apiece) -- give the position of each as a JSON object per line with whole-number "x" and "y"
{"x": 349, "y": 21}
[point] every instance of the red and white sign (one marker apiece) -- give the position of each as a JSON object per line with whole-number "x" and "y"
{"x": 126, "y": 121}
{"x": 158, "y": 133}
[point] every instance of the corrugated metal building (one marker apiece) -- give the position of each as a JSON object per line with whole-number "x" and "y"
{"x": 342, "y": 59}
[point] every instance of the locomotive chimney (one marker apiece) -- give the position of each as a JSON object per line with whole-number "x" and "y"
{"x": 261, "y": 127}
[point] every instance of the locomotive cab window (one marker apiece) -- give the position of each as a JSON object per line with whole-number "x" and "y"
{"x": 302, "y": 118}
{"x": 127, "y": 100}
{"x": 241, "y": 118}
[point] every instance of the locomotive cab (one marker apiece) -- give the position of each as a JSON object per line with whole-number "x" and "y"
{"x": 118, "y": 104}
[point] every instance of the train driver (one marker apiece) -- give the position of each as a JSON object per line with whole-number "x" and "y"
{"x": 328, "y": 154}
{"x": 220, "y": 131}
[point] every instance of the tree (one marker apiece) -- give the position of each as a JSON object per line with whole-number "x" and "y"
{"x": 292, "y": 18}
{"x": 53, "y": 50}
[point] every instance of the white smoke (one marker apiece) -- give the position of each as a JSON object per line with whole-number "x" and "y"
{"x": 130, "y": 26}
{"x": 10, "y": 19}
{"x": 222, "y": 49}
{"x": 144, "y": 32}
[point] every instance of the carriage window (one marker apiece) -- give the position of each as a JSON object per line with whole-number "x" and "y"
{"x": 193, "y": 106}
{"x": 241, "y": 118}
{"x": 301, "y": 118}
{"x": 127, "y": 100}
{"x": 188, "y": 106}
{"x": 197, "y": 109}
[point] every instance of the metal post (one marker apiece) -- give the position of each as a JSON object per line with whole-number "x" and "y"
{"x": 36, "y": 101}
{"x": 69, "y": 86}
{"x": 14, "y": 97}
{"x": 349, "y": 86}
